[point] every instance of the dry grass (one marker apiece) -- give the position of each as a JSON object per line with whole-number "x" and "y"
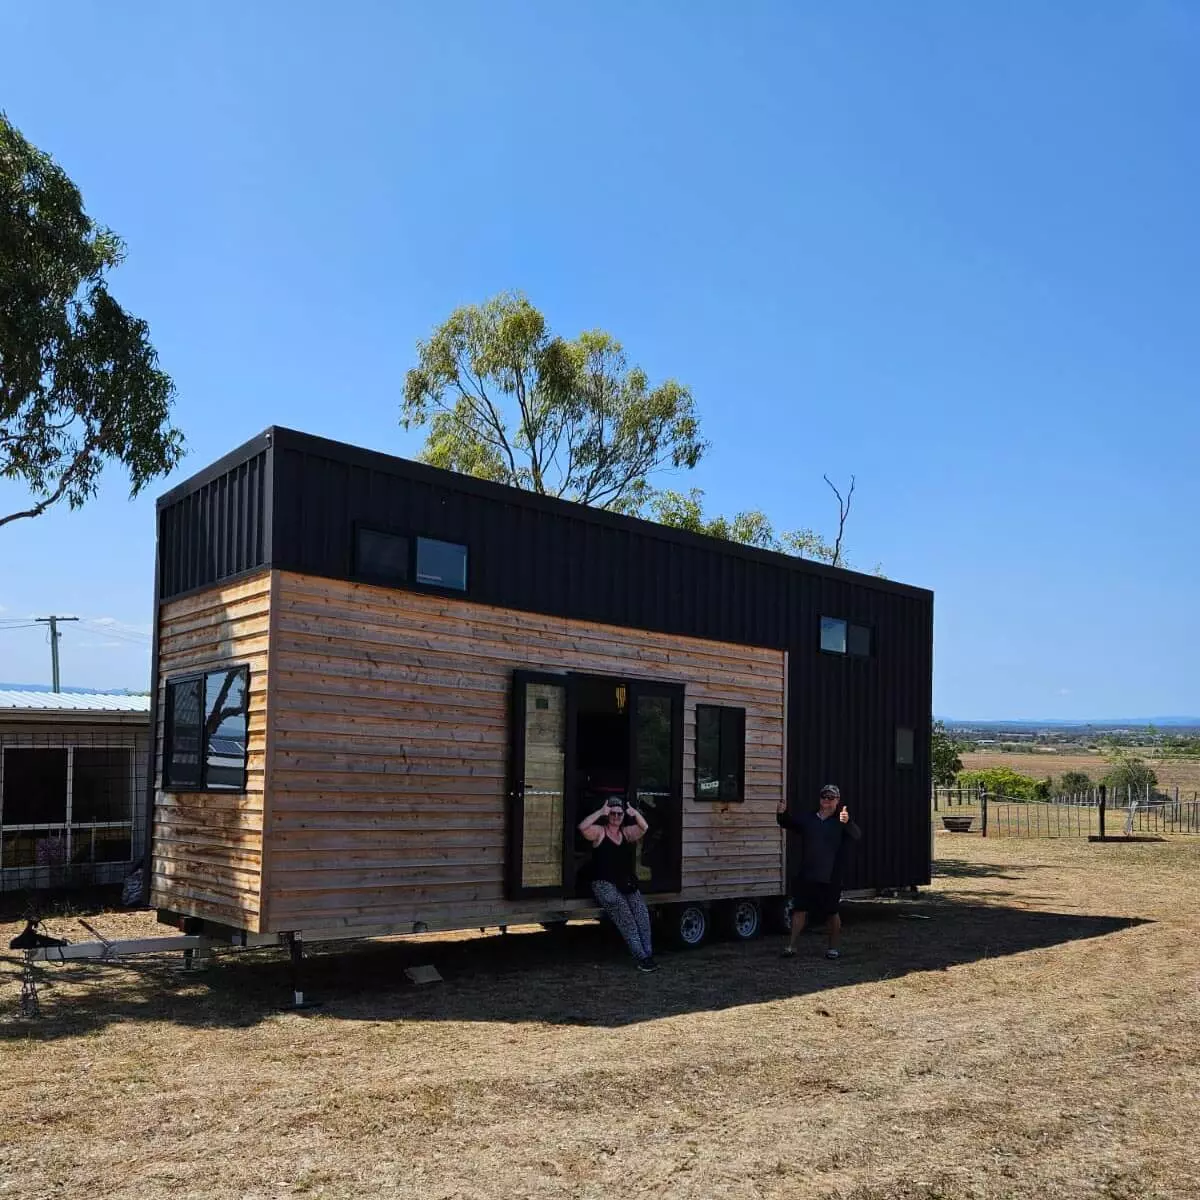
{"x": 1037, "y": 1034}
{"x": 1180, "y": 772}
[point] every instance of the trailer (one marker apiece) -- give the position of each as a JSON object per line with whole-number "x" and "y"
{"x": 384, "y": 695}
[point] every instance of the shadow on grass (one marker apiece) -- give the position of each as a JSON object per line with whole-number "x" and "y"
{"x": 959, "y": 868}
{"x": 580, "y": 975}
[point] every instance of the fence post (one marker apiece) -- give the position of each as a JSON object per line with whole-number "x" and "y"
{"x": 935, "y": 792}
{"x": 983, "y": 808}
{"x": 1103, "y": 798}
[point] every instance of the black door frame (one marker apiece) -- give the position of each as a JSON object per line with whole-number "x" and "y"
{"x": 568, "y": 681}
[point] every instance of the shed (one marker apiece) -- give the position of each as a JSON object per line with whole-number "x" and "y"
{"x": 72, "y": 787}
{"x": 385, "y": 694}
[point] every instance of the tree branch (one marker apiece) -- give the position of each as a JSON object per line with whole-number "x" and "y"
{"x": 843, "y": 513}
{"x": 84, "y": 453}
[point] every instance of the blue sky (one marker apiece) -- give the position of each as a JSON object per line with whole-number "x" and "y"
{"x": 950, "y": 248}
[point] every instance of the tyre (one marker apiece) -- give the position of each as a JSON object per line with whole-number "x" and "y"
{"x": 689, "y": 925}
{"x": 741, "y": 920}
{"x": 778, "y": 916}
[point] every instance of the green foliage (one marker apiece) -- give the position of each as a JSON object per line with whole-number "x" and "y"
{"x": 944, "y": 753}
{"x": 1128, "y": 770}
{"x": 1073, "y": 782}
{"x": 751, "y": 528}
{"x": 1003, "y": 781}
{"x": 79, "y": 381}
{"x": 505, "y": 399}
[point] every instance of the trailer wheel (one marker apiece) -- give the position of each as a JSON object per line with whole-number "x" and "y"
{"x": 689, "y": 925}
{"x": 779, "y": 914}
{"x": 742, "y": 920}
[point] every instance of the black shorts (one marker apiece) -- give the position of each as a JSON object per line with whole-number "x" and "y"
{"x": 818, "y": 900}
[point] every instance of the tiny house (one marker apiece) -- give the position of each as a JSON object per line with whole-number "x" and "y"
{"x": 386, "y": 694}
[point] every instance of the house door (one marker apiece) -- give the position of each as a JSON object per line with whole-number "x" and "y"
{"x": 578, "y": 740}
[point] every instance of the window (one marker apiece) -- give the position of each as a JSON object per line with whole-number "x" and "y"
{"x": 393, "y": 558}
{"x": 66, "y": 805}
{"x": 859, "y": 641}
{"x": 720, "y": 753}
{"x": 380, "y": 556}
{"x": 840, "y": 637}
{"x": 904, "y": 747}
{"x": 207, "y": 724}
{"x": 442, "y": 564}
{"x": 833, "y": 635}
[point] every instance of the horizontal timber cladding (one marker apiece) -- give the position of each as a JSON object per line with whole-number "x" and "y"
{"x": 207, "y": 850}
{"x": 390, "y": 742}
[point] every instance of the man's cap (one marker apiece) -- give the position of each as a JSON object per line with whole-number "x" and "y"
{"x": 831, "y": 789}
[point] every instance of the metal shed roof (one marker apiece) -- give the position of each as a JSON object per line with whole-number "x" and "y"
{"x": 12, "y": 702}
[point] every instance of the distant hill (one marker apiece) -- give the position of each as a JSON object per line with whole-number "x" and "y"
{"x": 1093, "y": 723}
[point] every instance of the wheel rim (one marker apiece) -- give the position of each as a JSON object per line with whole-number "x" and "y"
{"x": 745, "y": 919}
{"x": 691, "y": 925}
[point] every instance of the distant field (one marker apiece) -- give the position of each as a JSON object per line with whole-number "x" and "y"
{"x": 1038, "y": 764}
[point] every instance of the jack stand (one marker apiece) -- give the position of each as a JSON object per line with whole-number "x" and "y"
{"x": 296, "y": 954}
{"x": 30, "y": 1006}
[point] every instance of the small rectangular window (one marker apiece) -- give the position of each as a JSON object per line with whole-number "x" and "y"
{"x": 382, "y": 557}
{"x": 859, "y": 641}
{"x": 442, "y": 564}
{"x": 181, "y": 748}
{"x": 833, "y": 635}
{"x": 904, "y": 747}
{"x": 720, "y": 753}
{"x": 206, "y": 731}
{"x": 226, "y": 725}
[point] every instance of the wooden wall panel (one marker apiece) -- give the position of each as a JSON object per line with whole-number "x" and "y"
{"x": 389, "y": 746}
{"x": 208, "y": 846}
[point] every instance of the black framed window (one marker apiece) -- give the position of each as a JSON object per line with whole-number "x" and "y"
{"x": 858, "y": 641}
{"x": 441, "y": 564}
{"x": 842, "y": 637}
{"x": 904, "y": 746}
{"x": 206, "y": 731}
{"x": 398, "y": 559}
{"x": 381, "y": 557}
{"x": 720, "y": 753}
{"x": 833, "y": 635}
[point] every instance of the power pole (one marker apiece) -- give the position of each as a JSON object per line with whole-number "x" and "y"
{"x": 53, "y": 621}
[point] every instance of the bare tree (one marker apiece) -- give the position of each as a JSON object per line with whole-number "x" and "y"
{"x": 843, "y": 513}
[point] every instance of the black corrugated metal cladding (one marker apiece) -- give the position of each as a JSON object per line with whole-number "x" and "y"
{"x": 293, "y": 501}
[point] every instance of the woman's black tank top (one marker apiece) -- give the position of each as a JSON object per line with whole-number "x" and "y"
{"x": 615, "y": 864}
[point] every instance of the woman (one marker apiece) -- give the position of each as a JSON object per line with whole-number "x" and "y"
{"x": 614, "y": 878}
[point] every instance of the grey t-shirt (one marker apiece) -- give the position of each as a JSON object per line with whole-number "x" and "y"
{"x": 822, "y": 840}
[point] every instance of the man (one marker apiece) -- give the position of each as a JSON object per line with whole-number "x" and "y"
{"x": 817, "y": 885}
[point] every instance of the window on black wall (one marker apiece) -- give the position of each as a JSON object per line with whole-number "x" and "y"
{"x": 382, "y": 557}
{"x": 720, "y": 753}
{"x": 442, "y": 564}
{"x": 206, "y": 730}
{"x": 842, "y": 637}
{"x": 904, "y": 746}
{"x": 858, "y": 641}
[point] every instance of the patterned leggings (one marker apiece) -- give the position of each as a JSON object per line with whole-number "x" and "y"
{"x": 628, "y": 913}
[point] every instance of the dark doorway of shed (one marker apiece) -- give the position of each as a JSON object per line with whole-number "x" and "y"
{"x": 601, "y": 758}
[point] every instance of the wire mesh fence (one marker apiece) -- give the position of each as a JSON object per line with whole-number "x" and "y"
{"x": 71, "y": 806}
{"x": 1117, "y": 811}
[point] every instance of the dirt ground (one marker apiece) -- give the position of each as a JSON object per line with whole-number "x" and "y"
{"x": 1028, "y": 1027}
{"x": 1181, "y": 773}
